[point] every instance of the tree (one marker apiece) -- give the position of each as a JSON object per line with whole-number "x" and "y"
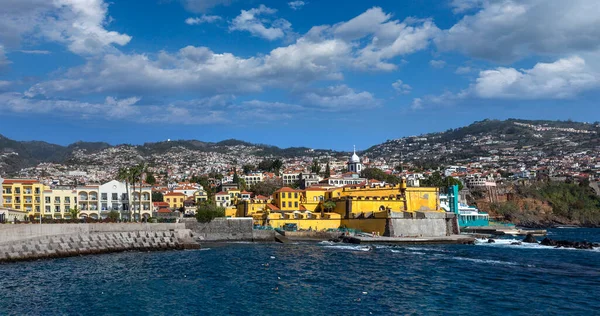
{"x": 277, "y": 164}
{"x": 247, "y": 169}
{"x": 150, "y": 179}
{"x": 378, "y": 174}
{"x": 125, "y": 175}
{"x": 315, "y": 168}
{"x": 206, "y": 212}
{"x": 157, "y": 197}
{"x": 113, "y": 215}
{"x": 74, "y": 212}
{"x": 329, "y": 205}
{"x": 265, "y": 188}
{"x": 327, "y": 173}
{"x": 236, "y": 178}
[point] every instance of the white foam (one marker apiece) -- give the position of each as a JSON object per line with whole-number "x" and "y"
{"x": 348, "y": 247}
{"x": 489, "y": 261}
{"x": 522, "y": 245}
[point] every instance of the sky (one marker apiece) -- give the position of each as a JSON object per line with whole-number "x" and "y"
{"x": 321, "y": 74}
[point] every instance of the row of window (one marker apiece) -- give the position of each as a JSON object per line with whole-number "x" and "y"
{"x": 289, "y": 204}
{"x": 18, "y": 191}
{"x": 18, "y": 200}
{"x": 289, "y": 195}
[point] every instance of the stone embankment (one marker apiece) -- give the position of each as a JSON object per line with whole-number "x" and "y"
{"x": 30, "y": 242}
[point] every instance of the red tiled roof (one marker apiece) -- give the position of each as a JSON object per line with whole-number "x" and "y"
{"x": 273, "y": 207}
{"x": 174, "y": 194}
{"x": 261, "y": 197}
{"x": 24, "y": 181}
{"x": 164, "y": 210}
{"x": 286, "y": 189}
{"x": 222, "y": 193}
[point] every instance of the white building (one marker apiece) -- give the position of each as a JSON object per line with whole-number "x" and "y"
{"x": 354, "y": 164}
{"x": 253, "y": 178}
{"x": 97, "y": 201}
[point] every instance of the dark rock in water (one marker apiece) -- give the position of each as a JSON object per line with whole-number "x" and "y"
{"x": 350, "y": 240}
{"x": 335, "y": 239}
{"x": 491, "y": 241}
{"x": 567, "y": 244}
{"x": 530, "y": 239}
{"x": 515, "y": 243}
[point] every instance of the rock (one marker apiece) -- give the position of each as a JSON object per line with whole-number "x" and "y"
{"x": 548, "y": 242}
{"x": 530, "y": 239}
{"x": 350, "y": 240}
{"x": 491, "y": 241}
{"x": 515, "y": 243}
{"x": 567, "y": 244}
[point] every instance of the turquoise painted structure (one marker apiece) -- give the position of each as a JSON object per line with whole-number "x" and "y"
{"x": 467, "y": 215}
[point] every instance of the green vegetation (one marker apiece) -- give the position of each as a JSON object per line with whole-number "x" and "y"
{"x": 113, "y": 215}
{"x": 150, "y": 179}
{"x": 378, "y": 174}
{"x": 207, "y": 211}
{"x": 265, "y": 188}
{"x": 271, "y": 165}
{"x": 574, "y": 202}
{"x": 74, "y": 212}
{"x": 436, "y": 180}
{"x": 157, "y": 197}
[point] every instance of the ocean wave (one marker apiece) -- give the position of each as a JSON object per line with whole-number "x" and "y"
{"x": 522, "y": 245}
{"x": 348, "y": 247}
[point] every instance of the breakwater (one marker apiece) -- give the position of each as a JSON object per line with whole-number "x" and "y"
{"x": 29, "y": 242}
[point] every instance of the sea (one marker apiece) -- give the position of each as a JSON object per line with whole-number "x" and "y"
{"x": 321, "y": 278}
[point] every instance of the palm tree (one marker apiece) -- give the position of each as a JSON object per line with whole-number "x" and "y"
{"x": 124, "y": 175}
{"x": 137, "y": 173}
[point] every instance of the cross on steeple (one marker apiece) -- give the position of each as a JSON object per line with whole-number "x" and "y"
{"x": 355, "y": 149}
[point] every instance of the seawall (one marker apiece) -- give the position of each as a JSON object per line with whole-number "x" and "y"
{"x": 29, "y": 242}
{"x": 227, "y": 229}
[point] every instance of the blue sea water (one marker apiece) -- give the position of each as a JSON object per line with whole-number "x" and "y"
{"x": 314, "y": 278}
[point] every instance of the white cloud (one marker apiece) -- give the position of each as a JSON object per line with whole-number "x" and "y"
{"x": 401, "y": 87}
{"x": 201, "y": 6}
{"x": 296, "y": 5}
{"x": 444, "y": 99}
{"x": 35, "y": 52}
{"x": 3, "y": 59}
{"x": 388, "y": 38}
{"x": 202, "y": 19}
{"x": 563, "y": 78}
{"x": 340, "y": 98}
{"x": 463, "y": 70}
{"x": 461, "y": 6}
{"x": 249, "y": 20}
{"x": 80, "y": 24}
{"x": 508, "y": 30}
{"x": 437, "y": 63}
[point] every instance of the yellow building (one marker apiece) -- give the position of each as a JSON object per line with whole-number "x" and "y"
{"x": 58, "y": 201}
{"x": 174, "y": 199}
{"x": 23, "y": 194}
{"x": 287, "y": 199}
{"x": 200, "y": 196}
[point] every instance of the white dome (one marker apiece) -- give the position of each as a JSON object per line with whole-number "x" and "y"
{"x": 355, "y": 158}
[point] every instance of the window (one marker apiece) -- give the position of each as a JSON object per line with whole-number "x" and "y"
{"x": 47, "y": 199}
{"x": 57, "y": 200}
{"x": 104, "y": 196}
{"x": 37, "y": 190}
{"x": 289, "y": 195}
{"x": 8, "y": 191}
{"x": 296, "y": 204}
{"x": 67, "y": 200}
{"x": 115, "y": 196}
{"x": 168, "y": 200}
{"x": 295, "y": 195}
{"x": 17, "y": 191}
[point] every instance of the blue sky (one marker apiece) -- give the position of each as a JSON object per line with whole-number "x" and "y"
{"x": 320, "y": 74}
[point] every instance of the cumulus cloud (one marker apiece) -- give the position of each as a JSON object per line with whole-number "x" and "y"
{"x": 80, "y": 24}
{"x": 563, "y": 78}
{"x": 202, "y": 6}
{"x": 507, "y": 30}
{"x": 202, "y": 19}
{"x": 251, "y": 21}
{"x": 388, "y": 38}
{"x": 437, "y": 63}
{"x": 296, "y": 5}
{"x": 461, "y": 6}
{"x": 340, "y": 98}
{"x": 401, "y": 87}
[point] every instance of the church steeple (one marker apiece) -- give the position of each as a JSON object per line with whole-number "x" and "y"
{"x": 354, "y": 164}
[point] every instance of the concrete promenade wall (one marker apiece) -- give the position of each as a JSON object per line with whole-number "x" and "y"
{"x": 13, "y": 232}
{"x": 222, "y": 229}
{"x": 429, "y": 224}
{"x": 28, "y": 241}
